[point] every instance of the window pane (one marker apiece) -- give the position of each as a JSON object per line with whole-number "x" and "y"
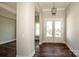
{"x": 58, "y": 28}
{"x": 49, "y": 29}
{"x": 37, "y": 29}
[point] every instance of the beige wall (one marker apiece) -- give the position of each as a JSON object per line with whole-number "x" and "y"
{"x": 7, "y": 29}
{"x": 7, "y": 24}
{"x": 73, "y": 27}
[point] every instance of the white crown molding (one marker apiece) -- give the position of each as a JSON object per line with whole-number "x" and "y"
{"x": 6, "y": 7}
{"x": 8, "y": 17}
{"x": 58, "y": 9}
{"x": 38, "y": 8}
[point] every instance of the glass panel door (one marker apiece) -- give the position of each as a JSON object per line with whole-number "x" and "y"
{"x": 58, "y": 28}
{"x": 53, "y": 30}
{"x": 49, "y": 29}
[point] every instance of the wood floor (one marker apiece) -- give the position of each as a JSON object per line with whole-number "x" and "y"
{"x": 8, "y": 49}
{"x": 45, "y": 50}
{"x": 53, "y": 50}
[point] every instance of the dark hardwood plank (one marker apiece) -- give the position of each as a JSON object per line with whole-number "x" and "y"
{"x": 53, "y": 50}
{"x": 8, "y": 49}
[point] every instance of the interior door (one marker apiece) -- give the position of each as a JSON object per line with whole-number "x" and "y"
{"x": 53, "y": 31}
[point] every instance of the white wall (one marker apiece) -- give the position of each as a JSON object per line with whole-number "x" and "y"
{"x": 7, "y": 29}
{"x": 41, "y": 27}
{"x": 25, "y": 29}
{"x": 73, "y": 27}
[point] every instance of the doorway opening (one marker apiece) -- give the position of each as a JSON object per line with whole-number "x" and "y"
{"x": 37, "y": 32}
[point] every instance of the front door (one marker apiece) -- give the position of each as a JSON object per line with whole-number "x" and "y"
{"x": 53, "y": 30}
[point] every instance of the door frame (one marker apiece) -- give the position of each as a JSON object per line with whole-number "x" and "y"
{"x": 55, "y": 39}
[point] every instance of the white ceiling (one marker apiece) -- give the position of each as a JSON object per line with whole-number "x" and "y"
{"x": 48, "y": 5}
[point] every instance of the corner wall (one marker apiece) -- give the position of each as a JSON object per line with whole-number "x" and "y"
{"x": 73, "y": 28}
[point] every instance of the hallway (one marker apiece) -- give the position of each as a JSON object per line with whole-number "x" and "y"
{"x": 54, "y": 50}
{"x": 40, "y": 29}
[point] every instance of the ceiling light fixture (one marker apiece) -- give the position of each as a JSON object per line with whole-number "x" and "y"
{"x": 54, "y": 9}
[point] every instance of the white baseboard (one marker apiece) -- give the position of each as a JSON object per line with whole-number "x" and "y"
{"x": 6, "y": 41}
{"x": 30, "y": 55}
{"x": 51, "y": 42}
{"x": 76, "y": 52}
